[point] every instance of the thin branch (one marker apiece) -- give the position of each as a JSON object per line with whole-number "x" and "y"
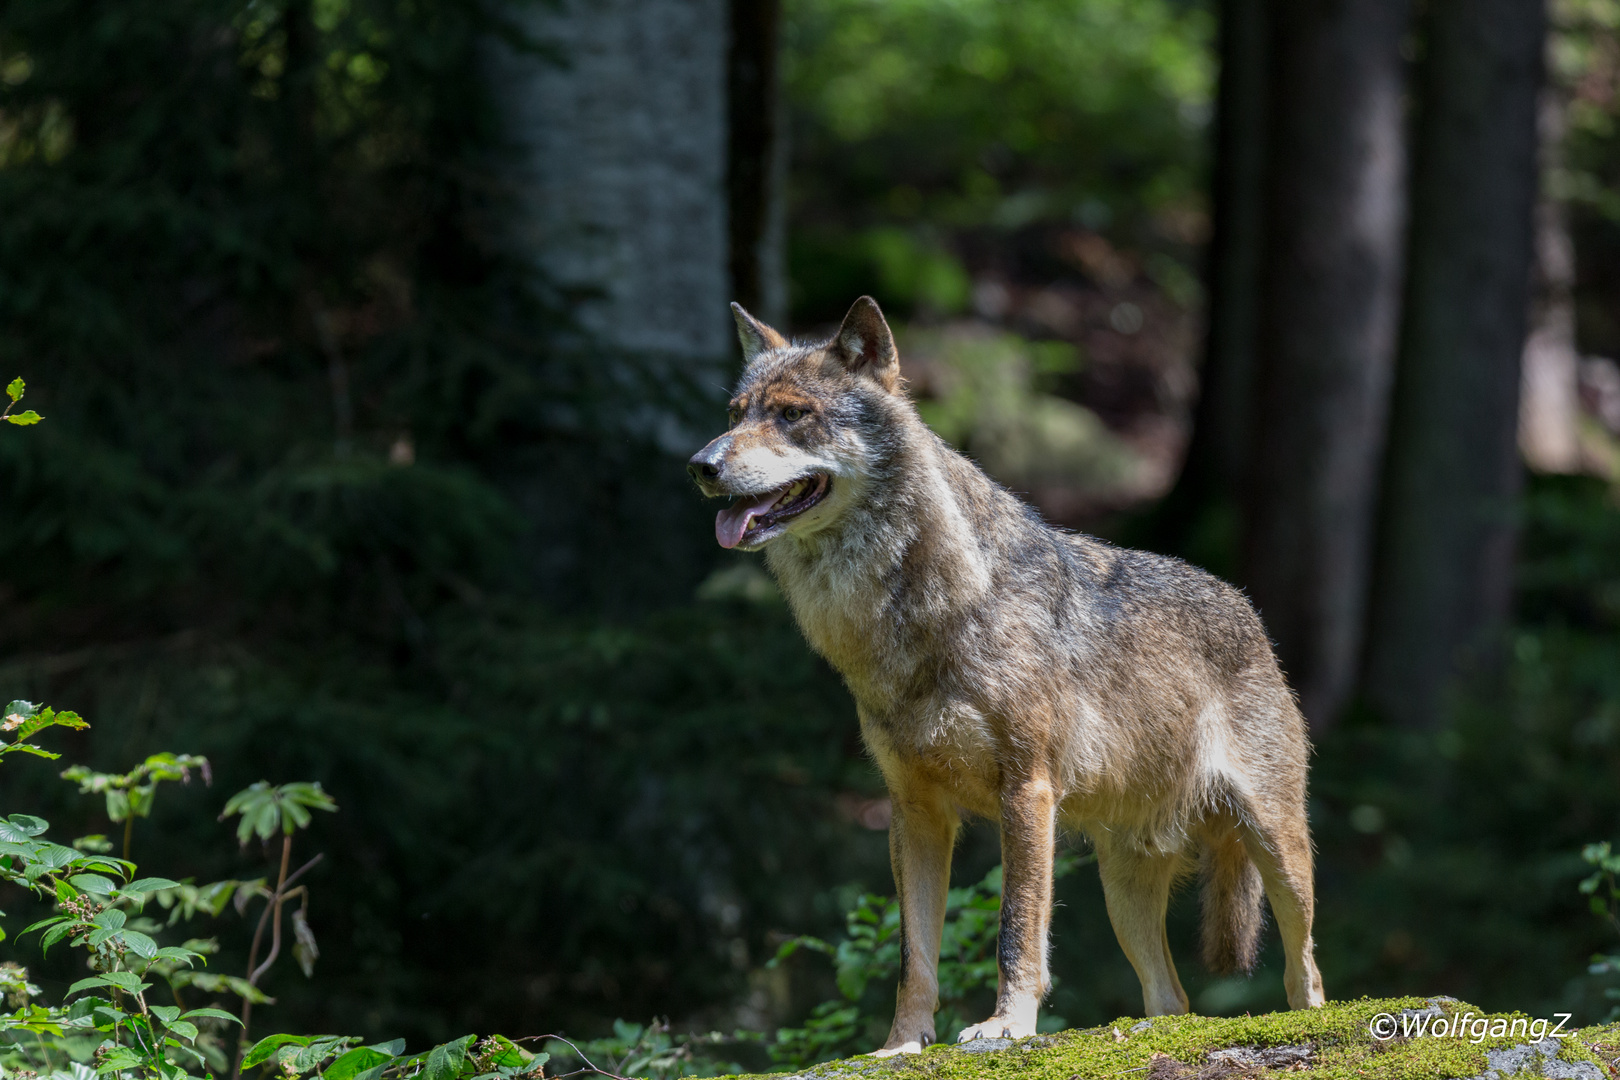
{"x": 589, "y": 1067}
{"x": 275, "y": 920}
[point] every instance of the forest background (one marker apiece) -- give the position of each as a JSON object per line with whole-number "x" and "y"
{"x": 346, "y": 476}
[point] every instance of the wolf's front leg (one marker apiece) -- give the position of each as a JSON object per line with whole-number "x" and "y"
{"x": 922, "y": 832}
{"x": 1028, "y": 832}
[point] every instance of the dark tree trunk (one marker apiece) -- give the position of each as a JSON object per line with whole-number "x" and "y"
{"x": 756, "y": 160}
{"x": 1205, "y": 495}
{"x": 1446, "y": 537}
{"x": 1326, "y": 331}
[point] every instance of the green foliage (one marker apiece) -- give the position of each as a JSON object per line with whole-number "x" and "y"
{"x": 338, "y": 1057}
{"x": 23, "y": 720}
{"x": 98, "y": 900}
{"x": 266, "y": 809}
{"x": 132, "y": 794}
{"x": 916, "y": 118}
{"x": 870, "y": 954}
{"x": 111, "y": 1023}
{"x": 652, "y": 1051}
{"x": 990, "y": 394}
{"x": 1602, "y": 887}
{"x": 14, "y": 393}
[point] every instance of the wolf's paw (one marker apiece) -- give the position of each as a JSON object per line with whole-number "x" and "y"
{"x": 913, "y": 1046}
{"x": 998, "y": 1028}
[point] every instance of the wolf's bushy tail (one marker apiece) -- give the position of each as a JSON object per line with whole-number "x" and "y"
{"x": 1231, "y": 903}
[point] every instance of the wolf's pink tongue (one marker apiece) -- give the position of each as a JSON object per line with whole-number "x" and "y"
{"x": 732, "y": 522}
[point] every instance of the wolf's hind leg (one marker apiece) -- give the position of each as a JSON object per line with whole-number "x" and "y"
{"x": 1028, "y": 835}
{"x": 1280, "y": 845}
{"x": 1136, "y": 886}
{"x": 922, "y": 832}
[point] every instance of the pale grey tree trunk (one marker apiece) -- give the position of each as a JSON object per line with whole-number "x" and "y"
{"x": 623, "y": 178}
{"x": 1549, "y": 405}
{"x": 1326, "y": 331}
{"x": 1443, "y": 579}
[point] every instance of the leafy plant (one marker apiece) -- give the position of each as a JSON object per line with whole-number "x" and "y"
{"x": 14, "y": 393}
{"x": 870, "y": 953}
{"x": 650, "y": 1050}
{"x": 132, "y": 794}
{"x": 1602, "y": 888}
{"x": 266, "y": 810}
{"x": 97, "y": 897}
{"x": 110, "y": 1024}
{"x": 24, "y": 720}
{"x": 336, "y": 1057}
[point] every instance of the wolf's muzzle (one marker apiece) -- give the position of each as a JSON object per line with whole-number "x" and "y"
{"x": 705, "y": 465}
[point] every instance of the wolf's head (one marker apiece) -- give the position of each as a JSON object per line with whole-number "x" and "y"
{"x": 806, "y": 424}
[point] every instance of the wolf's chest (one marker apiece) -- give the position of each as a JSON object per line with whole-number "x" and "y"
{"x": 937, "y": 743}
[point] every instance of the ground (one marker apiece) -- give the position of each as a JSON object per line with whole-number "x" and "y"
{"x": 1331, "y": 1043}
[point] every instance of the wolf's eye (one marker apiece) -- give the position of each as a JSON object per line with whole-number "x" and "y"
{"x": 792, "y": 413}
{"x": 734, "y": 416}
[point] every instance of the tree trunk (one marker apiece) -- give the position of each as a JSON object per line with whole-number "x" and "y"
{"x": 624, "y": 146}
{"x": 1195, "y": 515}
{"x": 1443, "y": 576}
{"x": 1549, "y": 410}
{"x": 757, "y": 161}
{"x": 1326, "y": 331}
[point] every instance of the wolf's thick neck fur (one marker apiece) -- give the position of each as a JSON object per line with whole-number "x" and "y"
{"x": 900, "y": 566}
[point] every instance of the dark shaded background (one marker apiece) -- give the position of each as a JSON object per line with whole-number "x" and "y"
{"x": 352, "y": 472}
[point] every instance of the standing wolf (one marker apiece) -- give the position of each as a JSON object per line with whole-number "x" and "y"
{"x": 1008, "y": 669}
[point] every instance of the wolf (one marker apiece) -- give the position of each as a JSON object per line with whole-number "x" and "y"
{"x": 1006, "y": 668}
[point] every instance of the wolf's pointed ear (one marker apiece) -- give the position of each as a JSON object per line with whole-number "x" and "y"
{"x": 866, "y": 346}
{"x": 755, "y": 336}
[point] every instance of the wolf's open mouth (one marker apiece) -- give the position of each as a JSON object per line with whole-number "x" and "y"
{"x": 751, "y": 517}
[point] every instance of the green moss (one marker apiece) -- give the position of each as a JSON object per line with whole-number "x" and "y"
{"x": 1167, "y": 1048}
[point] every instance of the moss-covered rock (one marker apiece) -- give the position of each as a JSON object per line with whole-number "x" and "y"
{"x": 1417, "y": 1039}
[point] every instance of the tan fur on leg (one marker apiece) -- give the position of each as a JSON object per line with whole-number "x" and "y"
{"x": 1028, "y": 835}
{"x": 922, "y": 832}
{"x": 1136, "y": 886}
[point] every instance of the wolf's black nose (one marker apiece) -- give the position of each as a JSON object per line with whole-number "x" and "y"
{"x": 705, "y": 464}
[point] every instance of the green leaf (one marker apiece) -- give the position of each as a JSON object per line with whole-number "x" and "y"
{"x": 217, "y": 1014}
{"x": 312, "y": 1055}
{"x": 119, "y": 1057}
{"x": 95, "y": 883}
{"x": 90, "y": 984}
{"x": 55, "y": 934}
{"x": 140, "y": 944}
{"x": 183, "y": 1029}
{"x": 125, "y": 981}
{"x": 112, "y": 918}
{"x": 14, "y": 391}
{"x": 444, "y": 1062}
{"x": 52, "y": 921}
{"x": 354, "y": 1062}
{"x": 14, "y": 832}
{"x": 150, "y": 884}
{"x": 26, "y": 417}
{"x": 166, "y": 1013}
{"x": 267, "y": 1046}
{"x": 29, "y": 824}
